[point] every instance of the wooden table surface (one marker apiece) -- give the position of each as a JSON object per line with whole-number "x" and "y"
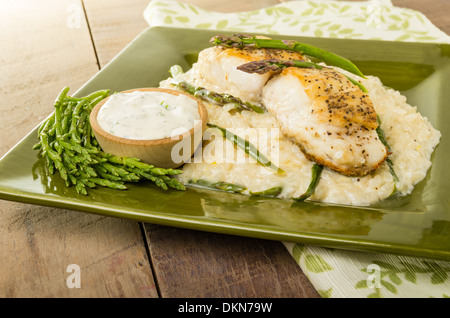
{"x": 41, "y": 51}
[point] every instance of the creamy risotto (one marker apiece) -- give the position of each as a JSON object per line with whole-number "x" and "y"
{"x": 411, "y": 137}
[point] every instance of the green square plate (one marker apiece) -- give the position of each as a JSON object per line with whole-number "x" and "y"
{"x": 417, "y": 225}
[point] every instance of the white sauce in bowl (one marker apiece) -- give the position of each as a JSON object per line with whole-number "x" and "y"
{"x": 148, "y": 115}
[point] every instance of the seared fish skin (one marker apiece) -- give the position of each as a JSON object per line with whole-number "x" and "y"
{"x": 332, "y": 121}
{"x": 217, "y": 66}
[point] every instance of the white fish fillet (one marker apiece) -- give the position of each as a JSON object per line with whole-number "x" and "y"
{"x": 217, "y": 68}
{"x": 331, "y": 119}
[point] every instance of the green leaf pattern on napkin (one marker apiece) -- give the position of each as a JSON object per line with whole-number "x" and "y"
{"x": 313, "y": 262}
{"x": 377, "y": 20}
{"x": 334, "y": 273}
{"x": 339, "y": 273}
{"x": 393, "y": 275}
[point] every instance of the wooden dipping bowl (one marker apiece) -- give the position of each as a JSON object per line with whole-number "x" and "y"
{"x": 157, "y": 152}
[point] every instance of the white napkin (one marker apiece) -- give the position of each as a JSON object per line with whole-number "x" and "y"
{"x": 375, "y": 19}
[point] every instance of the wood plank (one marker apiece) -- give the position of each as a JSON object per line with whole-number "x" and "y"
{"x": 114, "y": 24}
{"x": 39, "y": 54}
{"x": 113, "y": 27}
{"x": 190, "y": 263}
{"x": 198, "y": 264}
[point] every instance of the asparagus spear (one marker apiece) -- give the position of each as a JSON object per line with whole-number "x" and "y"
{"x": 276, "y": 65}
{"x": 248, "y": 148}
{"x": 272, "y": 192}
{"x": 361, "y": 86}
{"x": 316, "y": 171}
{"x": 212, "y": 97}
{"x": 389, "y": 162}
{"x": 221, "y": 185}
{"x": 216, "y": 98}
{"x": 243, "y": 41}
